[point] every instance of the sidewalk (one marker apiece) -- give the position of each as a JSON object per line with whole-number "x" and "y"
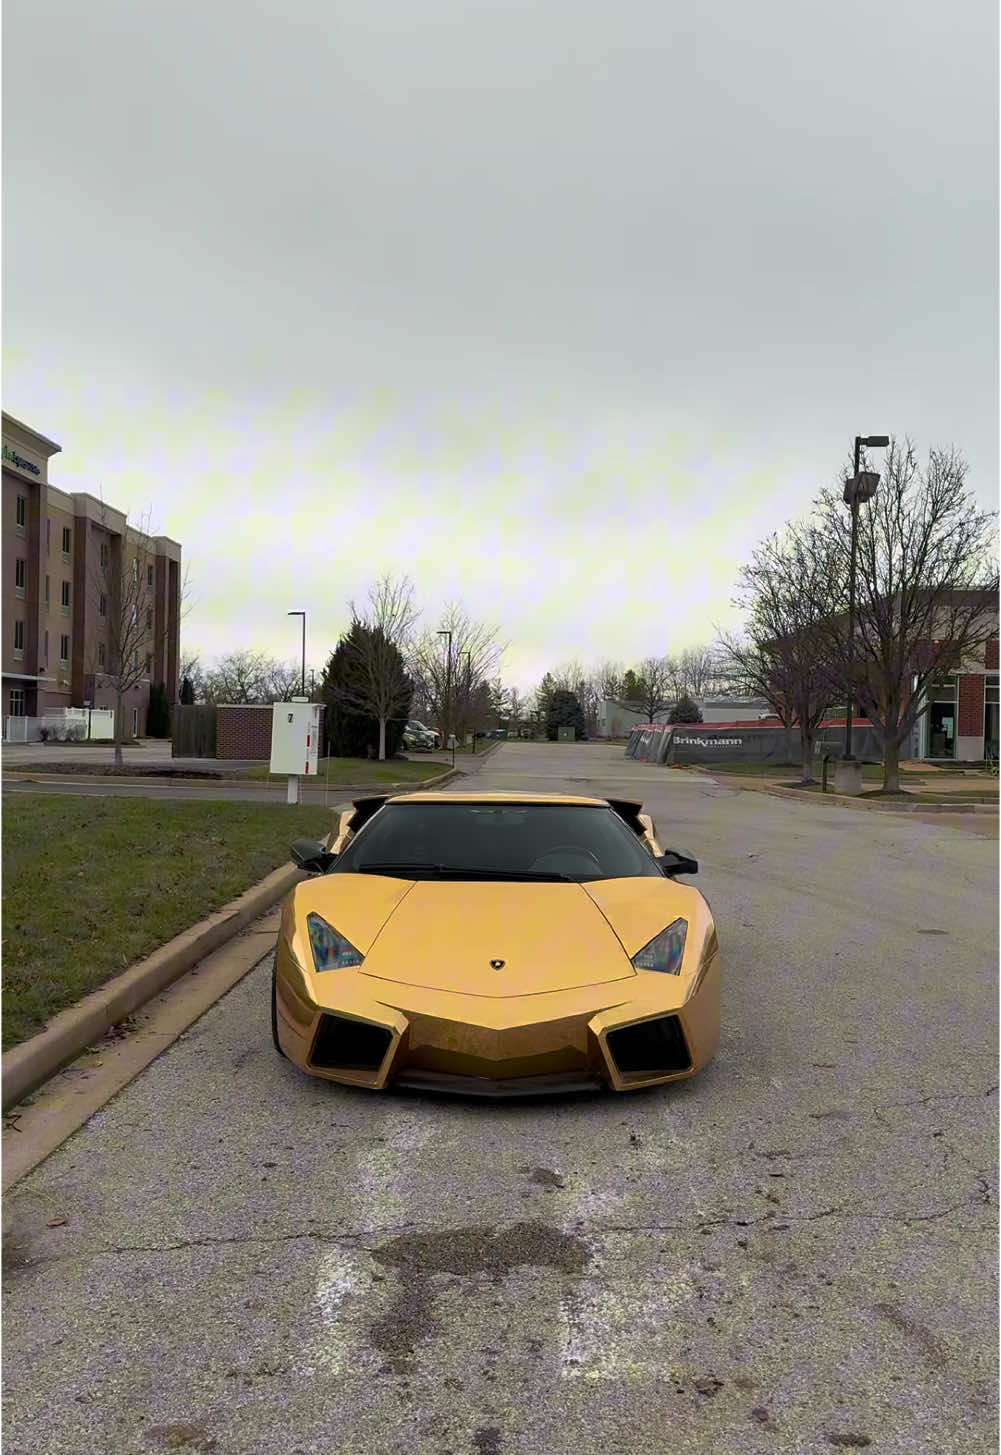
{"x": 944, "y": 783}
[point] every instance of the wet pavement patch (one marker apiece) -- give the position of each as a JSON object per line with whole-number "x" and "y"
{"x": 488, "y": 1441}
{"x": 182, "y": 1437}
{"x": 463, "y": 1253}
{"x": 543, "y": 1177}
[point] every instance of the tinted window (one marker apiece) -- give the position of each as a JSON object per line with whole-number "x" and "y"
{"x": 576, "y": 841}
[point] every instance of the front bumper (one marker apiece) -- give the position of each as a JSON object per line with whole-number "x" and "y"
{"x": 625, "y": 1034}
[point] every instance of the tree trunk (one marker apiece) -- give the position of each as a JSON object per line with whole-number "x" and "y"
{"x": 382, "y": 739}
{"x": 891, "y": 765}
{"x": 119, "y": 729}
{"x": 806, "y": 748}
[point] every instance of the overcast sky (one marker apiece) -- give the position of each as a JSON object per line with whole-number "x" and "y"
{"x": 558, "y": 306}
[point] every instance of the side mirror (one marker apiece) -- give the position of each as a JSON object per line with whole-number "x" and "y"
{"x": 311, "y": 856}
{"x": 673, "y": 863}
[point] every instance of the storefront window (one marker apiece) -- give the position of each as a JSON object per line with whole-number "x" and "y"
{"x": 991, "y": 718}
{"x": 942, "y": 717}
{"x": 17, "y": 702}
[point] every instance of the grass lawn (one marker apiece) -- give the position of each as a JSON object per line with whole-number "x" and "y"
{"x": 358, "y": 770}
{"x": 92, "y": 885}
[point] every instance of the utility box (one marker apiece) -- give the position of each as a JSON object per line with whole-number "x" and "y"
{"x": 566, "y": 734}
{"x": 295, "y": 737}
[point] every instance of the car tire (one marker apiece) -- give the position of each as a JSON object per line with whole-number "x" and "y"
{"x": 274, "y": 1007}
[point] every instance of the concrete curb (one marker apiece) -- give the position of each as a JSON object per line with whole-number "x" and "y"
{"x": 775, "y": 791}
{"x": 30, "y": 1064}
{"x": 311, "y": 785}
{"x": 27, "y": 1066}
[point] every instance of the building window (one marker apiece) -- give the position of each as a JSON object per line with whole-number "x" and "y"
{"x": 64, "y": 598}
{"x": 67, "y": 542}
{"x": 102, "y": 605}
{"x": 46, "y": 591}
{"x": 104, "y": 555}
{"x": 149, "y": 663}
{"x": 20, "y": 568}
{"x": 46, "y": 660}
{"x": 992, "y": 709}
{"x": 19, "y": 639}
{"x": 64, "y": 650}
{"x": 100, "y": 654}
{"x": 17, "y": 702}
{"x": 942, "y": 716}
{"x": 149, "y": 575}
{"x": 135, "y": 722}
{"x": 135, "y": 569}
{"x": 149, "y": 618}
{"x": 22, "y": 514}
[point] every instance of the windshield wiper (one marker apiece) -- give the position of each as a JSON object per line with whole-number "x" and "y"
{"x": 455, "y": 871}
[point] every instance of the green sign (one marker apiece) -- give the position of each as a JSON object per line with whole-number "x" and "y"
{"x": 19, "y": 460}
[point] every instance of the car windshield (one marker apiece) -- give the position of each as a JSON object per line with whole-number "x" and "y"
{"x": 576, "y": 842}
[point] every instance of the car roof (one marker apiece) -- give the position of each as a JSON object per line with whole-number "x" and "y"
{"x": 496, "y": 798}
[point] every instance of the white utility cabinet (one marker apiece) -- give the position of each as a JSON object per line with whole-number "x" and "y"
{"x": 295, "y": 741}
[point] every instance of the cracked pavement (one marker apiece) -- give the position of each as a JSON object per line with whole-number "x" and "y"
{"x": 793, "y": 1252}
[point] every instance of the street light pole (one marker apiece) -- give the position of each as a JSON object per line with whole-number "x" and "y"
{"x": 303, "y": 615}
{"x": 469, "y": 701}
{"x": 448, "y": 682}
{"x": 862, "y": 486}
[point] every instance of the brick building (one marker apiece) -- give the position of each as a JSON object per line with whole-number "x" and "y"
{"x": 961, "y": 723}
{"x": 58, "y": 549}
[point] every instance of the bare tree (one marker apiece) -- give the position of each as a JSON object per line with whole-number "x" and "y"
{"x": 281, "y": 680}
{"x": 238, "y": 677}
{"x": 449, "y": 671}
{"x": 190, "y": 670}
{"x": 927, "y": 589}
{"x": 655, "y": 680}
{"x": 697, "y": 669}
{"x": 382, "y": 687}
{"x": 120, "y": 587}
{"x": 608, "y": 678}
{"x": 784, "y": 655}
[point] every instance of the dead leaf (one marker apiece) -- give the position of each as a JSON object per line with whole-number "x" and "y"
{"x": 55, "y": 1222}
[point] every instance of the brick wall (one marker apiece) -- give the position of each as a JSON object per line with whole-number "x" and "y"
{"x": 991, "y": 656}
{"x": 971, "y": 706}
{"x": 243, "y": 732}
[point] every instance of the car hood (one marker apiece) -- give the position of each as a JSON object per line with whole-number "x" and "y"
{"x": 442, "y": 935}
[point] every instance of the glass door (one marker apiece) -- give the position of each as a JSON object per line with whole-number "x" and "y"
{"x": 991, "y": 719}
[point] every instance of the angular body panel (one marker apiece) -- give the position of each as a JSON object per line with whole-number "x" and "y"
{"x": 566, "y": 1007}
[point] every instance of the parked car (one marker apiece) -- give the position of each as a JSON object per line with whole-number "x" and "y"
{"x": 419, "y": 738}
{"x": 496, "y": 944}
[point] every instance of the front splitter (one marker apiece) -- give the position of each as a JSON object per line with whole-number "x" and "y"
{"x": 500, "y": 1088}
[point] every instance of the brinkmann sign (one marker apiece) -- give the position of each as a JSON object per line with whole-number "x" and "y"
{"x": 15, "y": 459}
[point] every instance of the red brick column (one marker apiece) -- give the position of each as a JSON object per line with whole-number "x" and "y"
{"x": 971, "y": 705}
{"x": 991, "y": 656}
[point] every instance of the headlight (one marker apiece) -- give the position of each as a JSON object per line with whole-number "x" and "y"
{"x": 331, "y": 951}
{"x": 666, "y": 951}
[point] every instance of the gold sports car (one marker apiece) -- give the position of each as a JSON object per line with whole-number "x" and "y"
{"x": 497, "y": 944}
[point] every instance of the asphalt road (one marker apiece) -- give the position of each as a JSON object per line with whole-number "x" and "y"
{"x": 793, "y": 1252}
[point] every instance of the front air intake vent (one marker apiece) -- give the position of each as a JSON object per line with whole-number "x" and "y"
{"x": 651, "y": 1048}
{"x": 346, "y": 1045}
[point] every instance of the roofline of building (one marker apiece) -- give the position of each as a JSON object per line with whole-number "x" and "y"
{"x": 51, "y": 445}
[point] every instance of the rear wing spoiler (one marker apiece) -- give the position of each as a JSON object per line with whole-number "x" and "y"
{"x": 350, "y": 820}
{"x": 641, "y": 823}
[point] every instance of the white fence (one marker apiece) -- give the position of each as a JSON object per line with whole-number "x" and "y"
{"x": 72, "y": 725}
